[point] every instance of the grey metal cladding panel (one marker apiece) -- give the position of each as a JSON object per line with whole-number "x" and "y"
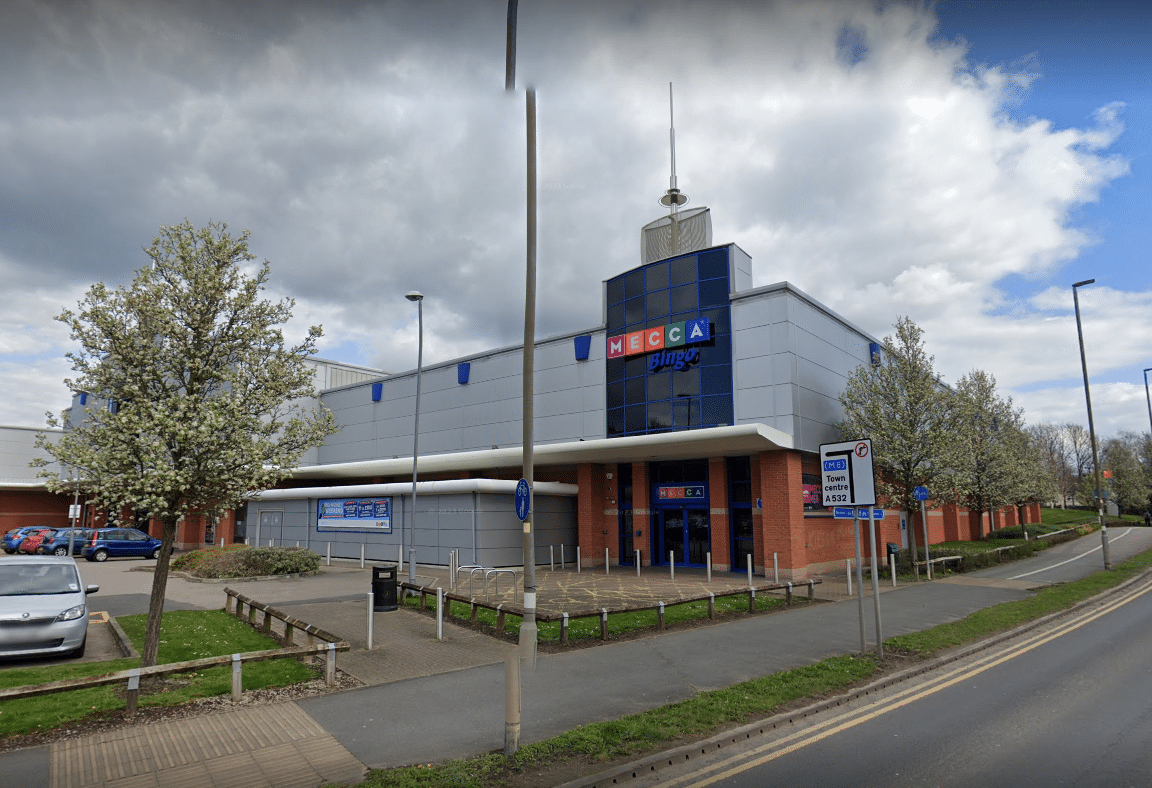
{"x": 594, "y": 425}
{"x": 445, "y": 399}
{"x": 441, "y": 420}
{"x": 784, "y": 396}
{"x": 815, "y": 433}
{"x": 818, "y": 377}
{"x": 440, "y": 442}
{"x": 346, "y": 398}
{"x": 350, "y": 451}
{"x": 755, "y": 405}
{"x": 790, "y": 425}
{"x": 759, "y": 311}
{"x": 753, "y": 372}
{"x": 557, "y": 403}
{"x": 752, "y": 342}
{"x": 561, "y": 378}
{"x": 817, "y": 405}
{"x": 552, "y": 356}
{"x": 816, "y": 322}
{"x": 554, "y": 429}
{"x": 436, "y": 380}
{"x": 498, "y": 367}
{"x": 784, "y": 368}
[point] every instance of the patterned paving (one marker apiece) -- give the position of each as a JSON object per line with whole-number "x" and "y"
{"x": 275, "y": 746}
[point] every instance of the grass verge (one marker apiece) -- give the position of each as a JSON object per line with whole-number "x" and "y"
{"x": 184, "y": 635}
{"x": 705, "y": 713}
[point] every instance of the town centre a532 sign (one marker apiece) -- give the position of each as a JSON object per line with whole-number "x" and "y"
{"x": 846, "y": 473}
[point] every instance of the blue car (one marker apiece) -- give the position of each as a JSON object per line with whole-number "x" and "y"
{"x": 57, "y": 543}
{"x": 108, "y": 543}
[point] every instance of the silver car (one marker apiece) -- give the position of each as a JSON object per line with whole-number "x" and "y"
{"x": 43, "y": 606}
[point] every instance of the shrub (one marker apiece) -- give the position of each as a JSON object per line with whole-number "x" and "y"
{"x": 244, "y": 561}
{"x": 191, "y": 561}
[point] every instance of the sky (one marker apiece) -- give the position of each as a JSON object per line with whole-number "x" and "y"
{"x": 961, "y": 163}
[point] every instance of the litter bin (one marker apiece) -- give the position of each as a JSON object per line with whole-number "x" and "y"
{"x": 893, "y": 549}
{"x": 384, "y": 588}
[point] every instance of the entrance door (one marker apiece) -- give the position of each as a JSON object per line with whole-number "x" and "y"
{"x": 686, "y": 533}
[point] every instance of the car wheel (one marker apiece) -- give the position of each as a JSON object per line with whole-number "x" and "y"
{"x": 156, "y": 554}
{"x": 100, "y": 555}
{"x": 79, "y": 652}
{"x": 61, "y": 550}
{"x": 9, "y": 551}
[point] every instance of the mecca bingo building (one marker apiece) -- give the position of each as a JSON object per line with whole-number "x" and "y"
{"x": 684, "y": 424}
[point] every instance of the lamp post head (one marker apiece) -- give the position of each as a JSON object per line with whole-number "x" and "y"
{"x": 414, "y": 295}
{"x": 1085, "y": 282}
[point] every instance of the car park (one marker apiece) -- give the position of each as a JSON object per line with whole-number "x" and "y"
{"x": 13, "y": 537}
{"x": 57, "y": 543}
{"x": 43, "y": 607}
{"x": 108, "y": 543}
{"x": 32, "y": 540}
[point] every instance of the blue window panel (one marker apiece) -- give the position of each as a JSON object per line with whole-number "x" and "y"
{"x": 720, "y": 320}
{"x": 634, "y": 311}
{"x": 634, "y": 283}
{"x": 659, "y": 416}
{"x": 634, "y": 419}
{"x": 615, "y": 319}
{"x": 716, "y": 410}
{"x": 615, "y": 290}
{"x": 377, "y": 392}
{"x": 713, "y": 293}
{"x": 720, "y": 353}
{"x": 635, "y": 391}
{"x": 657, "y": 276}
{"x": 683, "y": 270}
{"x": 874, "y": 353}
{"x": 657, "y": 304}
{"x": 716, "y": 380}
{"x": 462, "y": 371}
{"x": 714, "y": 265}
{"x": 685, "y": 413}
{"x": 614, "y": 369}
{"x": 83, "y": 398}
{"x": 616, "y": 421}
{"x": 582, "y": 345}
{"x": 684, "y": 298}
{"x": 686, "y": 383}
{"x": 615, "y": 396}
{"x": 659, "y": 385}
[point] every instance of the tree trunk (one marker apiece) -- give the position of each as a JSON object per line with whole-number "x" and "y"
{"x": 156, "y": 601}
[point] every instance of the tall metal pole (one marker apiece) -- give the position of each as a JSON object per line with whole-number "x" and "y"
{"x": 1148, "y": 396}
{"x": 419, "y": 299}
{"x": 1091, "y": 427}
{"x": 510, "y": 54}
{"x": 528, "y": 626}
{"x": 875, "y": 581}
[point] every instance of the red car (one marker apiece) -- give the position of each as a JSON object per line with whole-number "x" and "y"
{"x": 33, "y": 539}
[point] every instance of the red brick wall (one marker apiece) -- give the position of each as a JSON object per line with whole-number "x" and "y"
{"x": 782, "y": 518}
{"x": 641, "y": 512}
{"x": 23, "y": 509}
{"x": 718, "y": 519}
{"x": 592, "y": 507}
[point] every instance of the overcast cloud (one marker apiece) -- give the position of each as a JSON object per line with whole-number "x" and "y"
{"x": 370, "y": 149}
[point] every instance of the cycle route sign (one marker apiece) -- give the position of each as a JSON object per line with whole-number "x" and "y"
{"x": 846, "y": 473}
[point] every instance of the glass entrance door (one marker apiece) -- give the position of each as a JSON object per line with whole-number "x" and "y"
{"x": 686, "y": 533}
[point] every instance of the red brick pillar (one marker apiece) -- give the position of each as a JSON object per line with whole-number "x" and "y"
{"x": 782, "y": 518}
{"x": 718, "y": 519}
{"x": 641, "y": 513}
{"x": 591, "y": 505}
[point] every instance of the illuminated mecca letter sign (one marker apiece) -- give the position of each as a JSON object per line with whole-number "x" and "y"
{"x": 659, "y": 340}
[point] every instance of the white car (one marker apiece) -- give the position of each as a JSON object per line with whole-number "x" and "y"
{"x": 43, "y": 606}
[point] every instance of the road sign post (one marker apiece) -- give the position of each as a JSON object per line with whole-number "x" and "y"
{"x": 921, "y": 495}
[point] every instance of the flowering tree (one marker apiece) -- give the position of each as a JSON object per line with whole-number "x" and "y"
{"x": 904, "y": 409}
{"x": 204, "y": 397}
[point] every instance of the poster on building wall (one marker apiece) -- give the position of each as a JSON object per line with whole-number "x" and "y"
{"x": 354, "y": 514}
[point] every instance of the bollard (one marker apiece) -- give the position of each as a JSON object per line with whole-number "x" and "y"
{"x": 246, "y": 544}
{"x": 775, "y": 569}
{"x": 708, "y": 562}
{"x": 361, "y": 555}
{"x": 892, "y": 569}
{"x": 660, "y": 616}
{"x": 475, "y": 613}
{"x": 330, "y": 665}
{"x": 271, "y": 542}
{"x": 500, "y": 619}
{"x": 328, "y": 554}
{"x": 371, "y": 604}
{"x": 671, "y": 564}
{"x": 751, "y": 600}
{"x": 552, "y": 557}
{"x": 221, "y": 541}
{"x": 637, "y": 563}
{"x": 439, "y": 613}
{"x": 511, "y": 705}
{"x": 133, "y": 696}
{"x": 400, "y": 559}
{"x": 848, "y": 570}
{"x": 561, "y": 556}
{"x": 237, "y": 678}
{"x": 563, "y": 629}
{"x": 603, "y": 623}
{"x": 577, "y": 559}
{"x": 788, "y": 594}
{"x": 711, "y": 605}
{"x": 811, "y": 591}
{"x": 748, "y": 560}
{"x": 297, "y": 545}
{"x": 605, "y": 560}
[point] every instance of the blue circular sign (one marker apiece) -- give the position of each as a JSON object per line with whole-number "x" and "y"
{"x": 523, "y": 499}
{"x": 920, "y": 493}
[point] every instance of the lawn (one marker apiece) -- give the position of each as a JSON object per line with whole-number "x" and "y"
{"x": 184, "y": 635}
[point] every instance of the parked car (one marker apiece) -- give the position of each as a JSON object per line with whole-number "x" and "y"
{"x": 108, "y": 543}
{"x": 57, "y": 543}
{"x": 13, "y": 538}
{"x": 32, "y": 540}
{"x": 43, "y": 607}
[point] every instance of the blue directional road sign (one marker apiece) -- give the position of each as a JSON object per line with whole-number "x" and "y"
{"x": 848, "y": 513}
{"x": 920, "y": 493}
{"x": 523, "y": 499}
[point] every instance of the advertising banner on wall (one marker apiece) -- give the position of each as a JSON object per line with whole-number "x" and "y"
{"x": 354, "y": 514}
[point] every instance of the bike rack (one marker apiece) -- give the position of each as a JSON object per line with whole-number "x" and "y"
{"x": 496, "y": 583}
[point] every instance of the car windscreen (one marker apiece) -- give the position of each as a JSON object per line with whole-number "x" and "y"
{"x": 16, "y": 580}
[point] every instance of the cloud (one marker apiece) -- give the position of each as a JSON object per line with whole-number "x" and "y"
{"x": 371, "y": 150}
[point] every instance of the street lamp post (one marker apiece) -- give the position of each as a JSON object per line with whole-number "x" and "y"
{"x": 1147, "y": 395}
{"x": 419, "y": 299}
{"x": 1091, "y": 427}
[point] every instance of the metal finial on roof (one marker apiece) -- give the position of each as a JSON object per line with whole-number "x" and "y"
{"x": 672, "y": 198}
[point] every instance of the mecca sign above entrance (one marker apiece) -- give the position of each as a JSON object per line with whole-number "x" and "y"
{"x": 648, "y": 340}
{"x": 846, "y": 473}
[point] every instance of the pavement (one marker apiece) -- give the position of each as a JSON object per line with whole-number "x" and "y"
{"x": 427, "y": 700}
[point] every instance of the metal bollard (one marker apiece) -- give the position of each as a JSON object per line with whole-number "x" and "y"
{"x": 711, "y": 605}
{"x": 848, "y": 572}
{"x": 775, "y": 569}
{"x": 577, "y": 559}
{"x": 237, "y": 677}
{"x": 552, "y": 557}
{"x": 271, "y": 542}
{"x": 605, "y": 560}
{"x": 708, "y": 563}
{"x": 603, "y": 623}
{"x": 371, "y": 604}
{"x": 788, "y": 594}
{"x": 563, "y": 629}
{"x": 562, "y": 556}
{"x": 221, "y": 541}
{"x": 361, "y": 555}
{"x": 660, "y": 616}
{"x": 751, "y": 599}
{"x": 637, "y": 563}
{"x": 671, "y": 564}
{"x": 748, "y": 560}
{"x": 328, "y": 554}
{"x": 892, "y": 569}
{"x": 811, "y": 590}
